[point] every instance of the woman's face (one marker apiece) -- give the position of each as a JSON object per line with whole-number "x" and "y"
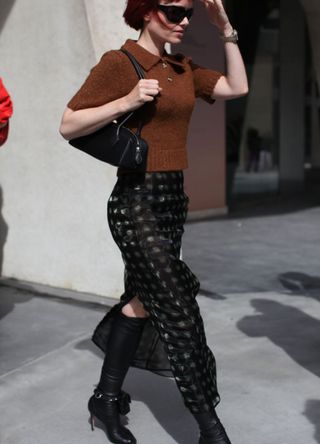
{"x": 164, "y": 24}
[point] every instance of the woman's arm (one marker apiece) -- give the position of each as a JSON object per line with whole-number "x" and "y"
{"x": 86, "y": 121}
{"x": 234, "y": 83}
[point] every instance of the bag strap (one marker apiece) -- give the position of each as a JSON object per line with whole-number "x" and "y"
{"x": 141, "y": 75}
{"x": 136, "y": 65}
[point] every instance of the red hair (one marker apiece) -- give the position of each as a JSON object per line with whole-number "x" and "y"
{"x": 136, "y": 10}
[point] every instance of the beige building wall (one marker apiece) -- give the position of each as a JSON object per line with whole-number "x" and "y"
{"x": 106, "y": 24}
{"x": 54, "y": 214}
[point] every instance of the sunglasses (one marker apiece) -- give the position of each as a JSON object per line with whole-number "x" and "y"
{"x": 176, "y": 14}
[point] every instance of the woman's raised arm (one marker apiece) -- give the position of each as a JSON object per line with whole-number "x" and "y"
{"x": 234, "y": 83}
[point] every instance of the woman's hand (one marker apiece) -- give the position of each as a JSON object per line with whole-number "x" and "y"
{"x": 144, "y": 91}
{"x": 234, "y": 83}
{"x": 218, "y": 16}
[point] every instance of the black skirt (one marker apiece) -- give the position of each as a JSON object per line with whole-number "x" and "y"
{"x": 146, "y": 215}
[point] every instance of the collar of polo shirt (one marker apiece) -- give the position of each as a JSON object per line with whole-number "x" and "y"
{"x": 147, "y": 60}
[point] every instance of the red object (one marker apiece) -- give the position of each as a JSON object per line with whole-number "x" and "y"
{"x": 6, "y": 109}
{"x": 4, "y": 134}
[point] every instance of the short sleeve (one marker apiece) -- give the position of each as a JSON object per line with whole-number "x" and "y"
{"x": 204, "y": 81}
{"x": 102, "y": 85}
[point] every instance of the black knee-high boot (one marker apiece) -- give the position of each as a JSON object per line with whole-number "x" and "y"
{"x": 109, "y": 401}
{"x": 211, "y": 429}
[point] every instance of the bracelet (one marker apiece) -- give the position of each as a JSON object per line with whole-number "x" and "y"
{"x": 233, "y": 37}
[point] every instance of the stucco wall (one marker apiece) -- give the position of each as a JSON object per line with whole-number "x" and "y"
{"x": 54, "y": 218}
{"x": 107, "y": 27}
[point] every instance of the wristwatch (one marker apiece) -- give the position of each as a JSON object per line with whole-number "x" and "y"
{"x": 233, "y": 37}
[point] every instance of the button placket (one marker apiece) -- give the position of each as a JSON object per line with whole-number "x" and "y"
{"x": 164, "y": 66}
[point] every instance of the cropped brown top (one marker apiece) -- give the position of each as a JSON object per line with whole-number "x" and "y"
{"x": 166, "y": 119}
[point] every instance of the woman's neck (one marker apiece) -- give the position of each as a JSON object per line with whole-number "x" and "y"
{"x": 148, "y": 43}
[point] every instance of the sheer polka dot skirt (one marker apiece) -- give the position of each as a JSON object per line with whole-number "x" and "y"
{"x": 146, "y": 214}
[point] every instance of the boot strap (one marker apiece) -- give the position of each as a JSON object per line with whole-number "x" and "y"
{"x": 122, "y": 400}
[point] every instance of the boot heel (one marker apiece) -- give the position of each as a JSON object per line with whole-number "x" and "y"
{"x": 91, "y": 421}
{"x": 107, "y": 410}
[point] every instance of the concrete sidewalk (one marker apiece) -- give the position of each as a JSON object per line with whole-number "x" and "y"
{"x": 260, "y": 303}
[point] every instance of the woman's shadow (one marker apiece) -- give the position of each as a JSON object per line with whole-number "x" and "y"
{"x": 3, "y": 232}
{"x": 301, "y": 283}
{"x": 163, "y": 399}
{"x": 289, "y": 328}
{"x": 312, "y": 412}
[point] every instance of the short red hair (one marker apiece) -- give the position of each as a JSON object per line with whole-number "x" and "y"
{"x": 136, "y": 10}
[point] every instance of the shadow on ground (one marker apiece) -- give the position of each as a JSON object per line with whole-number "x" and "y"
{"x": 312, "y": 412}
{"x": 87, "y": 344}
{"x": 3, "y": 226}
{"x": 301, "y": 283}
{"x": 26, "y": 292}
{"x": 5, "y": 8}
{"x": 288, "y": 328}
{"x": 165, "y": 404}
{"x": 9, "y": 301}
{"x": 34, "y": 325}
{"x": 211, "y": 294}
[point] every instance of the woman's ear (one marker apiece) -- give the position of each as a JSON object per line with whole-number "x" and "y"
{"x": 147, "y": 17}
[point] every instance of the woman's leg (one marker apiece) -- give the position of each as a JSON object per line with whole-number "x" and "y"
{"x": 109, "y": 400}
{"x": 122, "y": 344}
{"x": 146, "y": 215}
{"x": 134, "y": 308}
{"x": 177, "y": 318}
{"x": 211, "y": 429}
{"x": 147, "y": 225}
{"x": 123, "y": 341}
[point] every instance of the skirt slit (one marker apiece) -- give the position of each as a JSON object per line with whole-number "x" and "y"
{"x": 146, "y": 215}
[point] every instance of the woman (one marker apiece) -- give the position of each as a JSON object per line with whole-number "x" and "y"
{"x": 157, "y": 324}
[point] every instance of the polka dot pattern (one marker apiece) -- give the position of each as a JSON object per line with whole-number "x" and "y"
{"x": 146, "y": 215}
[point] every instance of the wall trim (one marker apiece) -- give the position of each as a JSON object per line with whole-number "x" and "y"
{"x": 210, "y": 213}
{"x": 42, "y": 290}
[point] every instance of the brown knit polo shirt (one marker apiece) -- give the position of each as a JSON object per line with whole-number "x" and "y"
{"x": 166, "y": 119}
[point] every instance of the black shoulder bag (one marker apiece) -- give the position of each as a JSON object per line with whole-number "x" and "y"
{"x": 115, "y": 143}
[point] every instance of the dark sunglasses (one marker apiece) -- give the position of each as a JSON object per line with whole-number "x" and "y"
{"x": 176, "y": 14}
